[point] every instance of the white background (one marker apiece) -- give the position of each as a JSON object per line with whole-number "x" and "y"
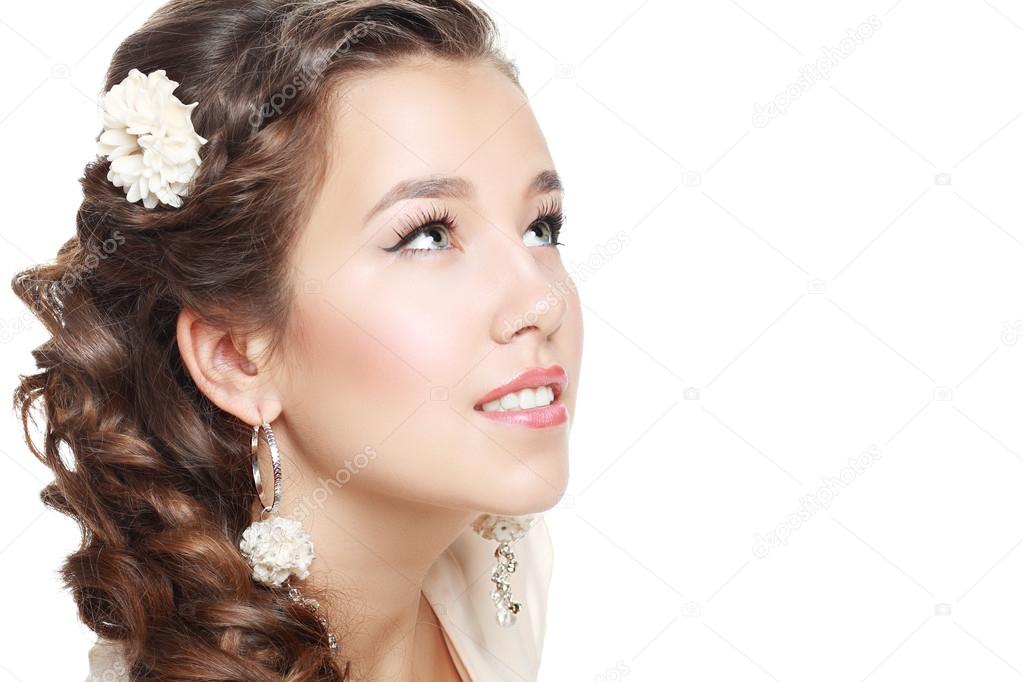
{"x": 845, "y": 278}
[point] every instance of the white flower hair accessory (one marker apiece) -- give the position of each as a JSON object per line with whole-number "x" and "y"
{"x": 276, "y": 549}
{"x": 149, "y": 139}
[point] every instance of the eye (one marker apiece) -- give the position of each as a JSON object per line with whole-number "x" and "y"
{"x": 431, "y": 231}
{"x": 428, "y": 231}
{"x": 428, "y": 237}
{"x": 546, "y": 228}
{"x": 539, "y": 234}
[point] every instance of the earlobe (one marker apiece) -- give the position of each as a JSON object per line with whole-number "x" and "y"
{"x": 224, "y": 372}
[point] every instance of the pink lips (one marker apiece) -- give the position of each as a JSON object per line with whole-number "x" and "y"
{"x": 533, "y": 417}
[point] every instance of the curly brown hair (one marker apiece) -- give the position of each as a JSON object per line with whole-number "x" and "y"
{"x": 157, "y": 477}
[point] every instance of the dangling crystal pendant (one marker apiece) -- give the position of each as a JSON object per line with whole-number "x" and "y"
{"x": 506, "y": 530}
{"x": 296, "y": 596}
{"x": 501, "y": 576}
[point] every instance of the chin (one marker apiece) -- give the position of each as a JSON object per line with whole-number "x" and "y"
{"x": 531, "y": 489}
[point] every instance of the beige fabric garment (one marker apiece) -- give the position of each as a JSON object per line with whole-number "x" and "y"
{"x": 458, "y": 588}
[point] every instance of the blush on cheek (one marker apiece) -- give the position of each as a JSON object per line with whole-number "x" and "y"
{"x": 423, "y": 325}
{"x": 372, "y": 355}
{"x": 390, "y": 335}
{"x": 351, "y": 355}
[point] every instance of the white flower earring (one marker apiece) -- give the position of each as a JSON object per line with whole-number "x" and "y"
{"x": 278, "y": 547}
{"x": 505, "y": 530}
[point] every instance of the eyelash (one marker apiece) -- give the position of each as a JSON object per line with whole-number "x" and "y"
{"x": 550, "y": 211}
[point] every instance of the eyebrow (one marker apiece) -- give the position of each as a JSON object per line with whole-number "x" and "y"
{"x": 455, "y": 187}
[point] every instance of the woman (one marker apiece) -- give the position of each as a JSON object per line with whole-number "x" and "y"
{"x": 320, "y": 243}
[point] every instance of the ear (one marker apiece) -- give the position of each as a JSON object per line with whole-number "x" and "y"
{"x": 230, "y": 372}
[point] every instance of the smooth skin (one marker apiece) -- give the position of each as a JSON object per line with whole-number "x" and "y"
{"x": 371, "y": 397}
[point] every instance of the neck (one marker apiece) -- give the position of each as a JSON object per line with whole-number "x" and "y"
{"x": 373, "y": 553}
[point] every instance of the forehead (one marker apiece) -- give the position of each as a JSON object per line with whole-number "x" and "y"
{"x": 436, "y": 117}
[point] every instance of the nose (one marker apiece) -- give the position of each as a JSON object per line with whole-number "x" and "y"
{"x": 528, "y": 298}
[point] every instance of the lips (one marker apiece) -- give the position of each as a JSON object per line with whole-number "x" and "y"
{"x": 533, "y": 377}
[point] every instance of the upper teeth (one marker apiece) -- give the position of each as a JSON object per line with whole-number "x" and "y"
{"x": 521, "y": 400}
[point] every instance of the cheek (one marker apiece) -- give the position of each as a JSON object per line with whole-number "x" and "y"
{"x": 343, "y": 354}
{"x": 365, "y": 370}
{"x": 383, "y": 344}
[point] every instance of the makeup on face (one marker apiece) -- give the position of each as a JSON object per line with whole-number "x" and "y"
{"x": 530, "y": 399}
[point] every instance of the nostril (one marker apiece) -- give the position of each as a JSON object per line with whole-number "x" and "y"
{"x": 524, "y": 329}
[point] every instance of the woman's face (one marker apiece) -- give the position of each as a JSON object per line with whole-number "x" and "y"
{"x": 394, "y": 344}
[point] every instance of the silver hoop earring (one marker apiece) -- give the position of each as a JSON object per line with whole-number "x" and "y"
{"x": 278, "y": 547}
{"x": 275, "y": 458}
{"x": 505, "y": 530}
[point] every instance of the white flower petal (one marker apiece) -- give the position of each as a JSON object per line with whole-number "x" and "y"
{"x": 276, "y": 548}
